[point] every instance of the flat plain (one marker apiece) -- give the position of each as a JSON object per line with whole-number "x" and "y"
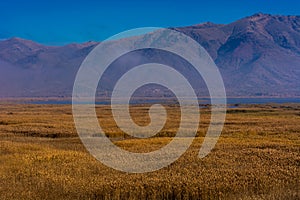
{"x": 256, "y": 157}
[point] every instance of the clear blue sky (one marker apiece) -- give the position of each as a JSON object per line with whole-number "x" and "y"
{"x": 59, "y": 22}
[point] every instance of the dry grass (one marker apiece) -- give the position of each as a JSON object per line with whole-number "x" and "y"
{"x": 257, "y": 157}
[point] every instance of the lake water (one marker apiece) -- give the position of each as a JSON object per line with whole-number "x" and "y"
{"x": 201, "y": 100}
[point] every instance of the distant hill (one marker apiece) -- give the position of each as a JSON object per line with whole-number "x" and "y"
{"x": 28, "y": 69}
{"x": 257, "y": 56}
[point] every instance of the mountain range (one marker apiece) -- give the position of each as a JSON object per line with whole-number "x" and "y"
{"x": 257, "y": 55}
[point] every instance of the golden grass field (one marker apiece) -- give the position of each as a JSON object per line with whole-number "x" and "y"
{"x": 256, "y": 157}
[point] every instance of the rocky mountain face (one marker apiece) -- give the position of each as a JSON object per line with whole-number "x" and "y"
{"x": 257, "y": 56}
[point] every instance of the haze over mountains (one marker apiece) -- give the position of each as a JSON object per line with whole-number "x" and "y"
{"x": 257, "y": 56}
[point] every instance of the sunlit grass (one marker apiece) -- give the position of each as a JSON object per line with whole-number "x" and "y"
{"x": 257, "y": 157}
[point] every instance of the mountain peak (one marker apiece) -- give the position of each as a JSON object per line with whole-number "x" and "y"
{"x": 204, "y": 25}
{"x": 260, "y": 14}
{"x": 16, "y": 41}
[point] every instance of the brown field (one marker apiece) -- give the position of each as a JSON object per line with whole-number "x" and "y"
{"x": 256, "y": 157}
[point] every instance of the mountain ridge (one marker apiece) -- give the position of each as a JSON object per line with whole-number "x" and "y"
{"x": 258, "y": 55}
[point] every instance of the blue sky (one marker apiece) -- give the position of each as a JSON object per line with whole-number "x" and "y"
{"x": 61, "y": 22}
